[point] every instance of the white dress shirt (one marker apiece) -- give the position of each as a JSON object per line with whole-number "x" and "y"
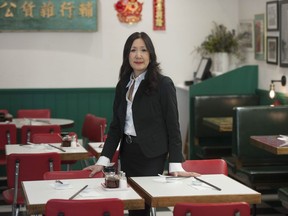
{"x": 129, "y": 128}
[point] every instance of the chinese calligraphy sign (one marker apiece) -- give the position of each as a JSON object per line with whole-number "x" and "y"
{"x": 48, "y": 15}
{"x": 159, "y": 15}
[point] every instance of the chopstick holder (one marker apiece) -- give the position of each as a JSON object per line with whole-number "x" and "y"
{"x": 57, "y": 148}
{"x": 78, "y": 192}
{"x": 217, "y": 188}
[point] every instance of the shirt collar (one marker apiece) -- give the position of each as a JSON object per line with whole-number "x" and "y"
{"x": 137, "y": 79}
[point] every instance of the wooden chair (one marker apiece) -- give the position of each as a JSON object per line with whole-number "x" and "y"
{"x": 99, "y": 207}
{"x": 26, "y": 167}
{"x": 8, "y": 135}
{"x": 34, "y": 113}
{"x": 4, "y": 111}
{"x": 27, "y": 131}
{"x": 215, "y": 209}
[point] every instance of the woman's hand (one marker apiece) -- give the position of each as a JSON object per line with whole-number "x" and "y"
{"x": 185, "y": 174}
{"x": 94, "y": 169}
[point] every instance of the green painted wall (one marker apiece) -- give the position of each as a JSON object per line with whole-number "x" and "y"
{"x": 71, "y": 103}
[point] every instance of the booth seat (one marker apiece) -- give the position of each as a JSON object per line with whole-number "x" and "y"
{"x": 208, "y": 142}
{"x": 283, "y": 196}
{"x": 249, "y": 164}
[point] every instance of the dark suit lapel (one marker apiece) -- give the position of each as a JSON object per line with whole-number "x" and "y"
{"x": 140, "y": 91}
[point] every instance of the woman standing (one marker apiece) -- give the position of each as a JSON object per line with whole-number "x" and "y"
{"x": 145, "y": 117}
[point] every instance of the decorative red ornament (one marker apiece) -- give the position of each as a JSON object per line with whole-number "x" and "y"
{"x": 159, "y": 22}
{"x": 129, "y": 11}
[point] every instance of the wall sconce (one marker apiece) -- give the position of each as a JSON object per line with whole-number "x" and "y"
{"x": 272, "y": 86}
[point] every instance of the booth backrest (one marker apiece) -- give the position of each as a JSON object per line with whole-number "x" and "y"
{"x": 258, "y": 120}
{"x": 217, "y": 106}
{"x": 208, "y": 142}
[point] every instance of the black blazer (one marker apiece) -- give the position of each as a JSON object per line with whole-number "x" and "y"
{"x": 155, "y": 118}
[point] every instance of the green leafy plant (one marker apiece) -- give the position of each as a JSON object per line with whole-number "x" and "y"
{"x": 221, "y": 40}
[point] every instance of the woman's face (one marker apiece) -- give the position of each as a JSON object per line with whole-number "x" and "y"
{"x": 139, "y": 57}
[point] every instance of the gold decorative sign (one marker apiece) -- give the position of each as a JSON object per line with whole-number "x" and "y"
{"x": 159, "y": 22}
{"x": 48, "y": 15}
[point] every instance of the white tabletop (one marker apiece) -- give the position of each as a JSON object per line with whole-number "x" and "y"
{"x": 96, "y": 148}
{"x": 19, "y": 122}
{"x": 159, "y": 193}
{"x": 37, "y": 193}
{"x": 71, "y": 153}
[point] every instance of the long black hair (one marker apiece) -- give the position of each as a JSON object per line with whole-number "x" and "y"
{"x": 153, "y": 69}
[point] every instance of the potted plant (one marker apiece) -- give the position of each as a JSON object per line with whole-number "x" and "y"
{"x": 220, "y": 44}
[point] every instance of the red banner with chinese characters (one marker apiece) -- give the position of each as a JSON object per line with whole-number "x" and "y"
{"x": 128, "y": 11}
{"x": 159, "y": 22}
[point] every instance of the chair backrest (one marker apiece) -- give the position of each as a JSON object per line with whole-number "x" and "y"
{"x": 3, "y": 115}
{"x": 258, "y": 120}
{"x": 215, "y": 209}
{"x": 4, "y": 111}
{"x": 99, "y": 207}
{"x": 8, "y": 135}
{"x": 208, "y": 166}
{"x": 73, "y": 174}
{"x": 46, "y": 138}
{"x": 93, "y": 128}
{"x": 28, "y": 130}
{"x": 30, "y": 167}
{"x": 34, "y": 113}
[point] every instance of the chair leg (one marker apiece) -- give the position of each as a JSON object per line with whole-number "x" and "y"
{"x": 254, "y": 210}
{"x": 153, "y": 211}
{"x": 15, "y": 210}
{"x": 86, "y": 163}
{"x": 94, "y": 159}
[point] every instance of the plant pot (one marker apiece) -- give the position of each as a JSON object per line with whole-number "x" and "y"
{"x": 221, "y": 62}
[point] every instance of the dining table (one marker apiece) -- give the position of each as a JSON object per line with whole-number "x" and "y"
{"x": 19, "y": 122}
{"x": 275, "y": 144}
{"x": 66, "y": 153}
{"x": 37, "y": 193}
{"x": 95, "y": 148}
{"x": 220, "y": 124}
{"x": 159, "y": 191}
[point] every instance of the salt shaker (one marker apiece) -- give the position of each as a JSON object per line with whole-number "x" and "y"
{"x": 74, "y": 142}
{"x": 123, "y": 180}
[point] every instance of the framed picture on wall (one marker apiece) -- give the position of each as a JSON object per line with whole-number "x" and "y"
{"x": 272, "y": 15}
{"x": 272, "y": 50}
{"x": 283, "y": 33}
{"x": 259, "y": 40}
{"x": 246, "y": 33}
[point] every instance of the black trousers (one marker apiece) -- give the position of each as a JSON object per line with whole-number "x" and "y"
{"x": 134, "y": 163}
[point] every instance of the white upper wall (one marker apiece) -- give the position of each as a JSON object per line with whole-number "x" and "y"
{"x": 67, "y": 59}
{"x": 267, "y": 72}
